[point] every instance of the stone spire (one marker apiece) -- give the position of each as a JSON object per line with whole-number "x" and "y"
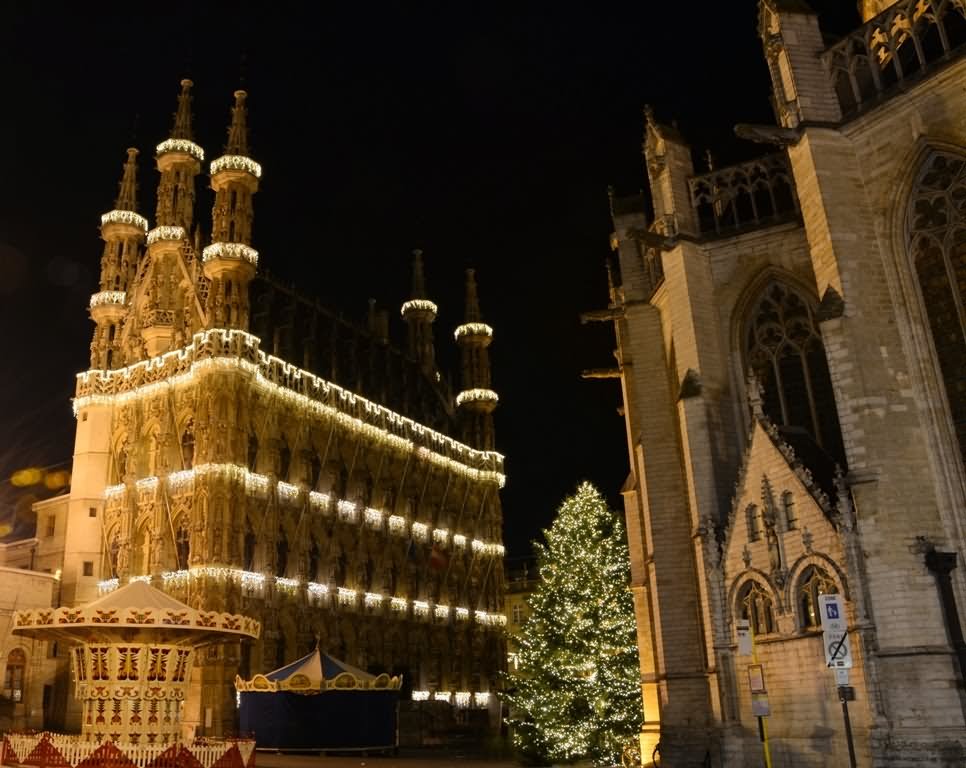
{"x": 230, "y": 261}
{"x": 123, "y": 231}
{"x": 182, "y": 118}
{"x": 238, "y": 130}
{"x": 127, "y": 196}
{"x": 476, "y": 402}
{"x": 420, "y": 314}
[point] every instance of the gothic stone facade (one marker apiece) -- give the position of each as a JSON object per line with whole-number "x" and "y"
{"x": 793, "y": 361}
{"x": 244, "y": 482}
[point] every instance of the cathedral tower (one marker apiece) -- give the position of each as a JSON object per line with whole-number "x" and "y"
{"x": 122, "y": 230}
{"x": 476, "y": 402}
{"x": 419, "y": 314}
{"x": 230, "y": 261}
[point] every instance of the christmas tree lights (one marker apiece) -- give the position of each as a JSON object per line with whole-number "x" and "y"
{"x": 576, "y": 692}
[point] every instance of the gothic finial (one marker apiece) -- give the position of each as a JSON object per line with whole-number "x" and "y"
{"x": 127, "y": 196}
{"x": 238, "y": 130}
{"x": 709, "y": 159}
{"x": 649, "y": 113}
{"x": 755, "y": 395}
{"x": 182, "y": 118}
{"x": 472, "y": 300}
{"x": 419, "y": 280}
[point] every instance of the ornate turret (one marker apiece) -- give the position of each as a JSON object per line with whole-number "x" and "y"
{"x": 477, "y": 401}
{"x": 122, "y": 230}
{"x": 179, "y": 161}
{"x": 419, "y": 314}
{"x": 230, "y": 261}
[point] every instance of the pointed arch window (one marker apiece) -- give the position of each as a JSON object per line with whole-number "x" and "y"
{"x": 249, "y": 548}
{"x": 114, "y": 554}
{"x": 751, "y": 518}
{"x": 788, "y": 508}
{"x": 784, "y": 349}
{"x": 936, "y": 223}
{"x": 815, "y": 582}
{"x": 756, "y": 606}
{"x": 281, "y": 552}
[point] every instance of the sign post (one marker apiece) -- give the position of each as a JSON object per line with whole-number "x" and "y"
{"x": 838, "y": 657}
{"x": 756, "y": 684}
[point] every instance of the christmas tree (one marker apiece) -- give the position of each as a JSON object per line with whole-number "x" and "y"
{"x": 576, "y": 691}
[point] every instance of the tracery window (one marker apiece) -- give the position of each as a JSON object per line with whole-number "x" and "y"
{"x": 751, "y": 518}
{"x": 784, "y": 350}
{"x": 788, "y": 507}
{"x": 755, "y": 605}
{"x": 814, "y": 582}
{"x": 936, "y": 221}
{"x": 13, "y": 678}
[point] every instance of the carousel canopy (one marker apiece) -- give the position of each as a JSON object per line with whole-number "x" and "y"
{"x": 317, "y": 672}
{"x": 130, "y": 611}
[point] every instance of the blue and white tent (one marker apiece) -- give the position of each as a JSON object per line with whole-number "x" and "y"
{"x": 319, "y": 702}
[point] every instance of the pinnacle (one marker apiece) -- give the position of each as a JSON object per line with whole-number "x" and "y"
{"x": 419, "y": 280}
{"x": 238, "y": 130}
{"x": 472, "y": 300}
{"x": 127, "y": 193}
{"x": 182, "y": 118}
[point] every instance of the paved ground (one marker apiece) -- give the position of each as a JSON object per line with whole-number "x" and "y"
{"x": 422, "y": 759}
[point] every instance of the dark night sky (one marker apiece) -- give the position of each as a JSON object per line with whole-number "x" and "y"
{"x": 484, "y": 135}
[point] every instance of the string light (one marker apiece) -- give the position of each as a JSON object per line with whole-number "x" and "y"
{"x": 238, "y": 251}
{"x": 181, "y": 145}
{"x": 420, "y": 695}
{"x": 107, "y": 297}
{"x": 398, "y": 604}
{"x": 317, "y": 499}
{"x": 125, "y": 217}
{"x": 441, "y": 611}
{"x": 481, "y": 699}
{"x": 478, "y": 546}
{"x": 165, "y": 233}
{"x": 459, "y": 540}
{"x": 287, "y": 491}
{"x": 440, "y": 535}
{"x": 420, "y": 608}
{"x": 373, "y": 599}
{"x": 236, "y": 163}
{"x": 462, "y": 614}
{"x": 442, "y": 696}
{"x": 346, "y": 510}
{"x": 147, "y": 483}
{"x": 462, "y": 699}
{"x": 286, "y": 583}
{"x": 319, "y": 590}
{"x": 373, "y": 517}
{"x": 477, "y": 396}
{"x": 419, "y": 305}
{"x": 472, "y": 329}
{"x": 397, "y": 524}
{"x": 420, "y": 531}
{"x": 220, "y": 350}
{"x": 346, "y": 596}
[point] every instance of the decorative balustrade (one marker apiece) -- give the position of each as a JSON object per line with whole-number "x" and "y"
{"x": 907, "y": 39}
{"x": 232, "y": 349}
{"x": 744, "y": 196}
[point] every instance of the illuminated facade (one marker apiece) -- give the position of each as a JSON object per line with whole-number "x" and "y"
{"x": 249, "y": 451}
{"x": 792, "y": 355}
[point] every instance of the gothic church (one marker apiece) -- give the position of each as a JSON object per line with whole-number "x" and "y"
{"x": 792, "y": 352}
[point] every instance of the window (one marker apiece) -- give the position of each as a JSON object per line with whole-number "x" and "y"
{"x": 88, "y": 567}
{"x": 519, "y": 614}
{"x": 92, "y": 511}
{"x": 755, "y": 605}
{"x": 814, "y": 582}
{"x": 281, "y": 553}
{"x": 788, "y": 507}
{"x": 188, "y": 445}
{"x": 936, "y": 221}
{"x": 13, "y": 678}
{"x": 51, "y": 525}
{"x": 751, "y": 517}
{"x": 784, "y": 350}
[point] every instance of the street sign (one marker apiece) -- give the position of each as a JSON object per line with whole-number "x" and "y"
{"x": 838, "y": 651}
{"x": 841, "y": 676}
{"x": 832, "y": 612}
{"x": 744, "y": 637}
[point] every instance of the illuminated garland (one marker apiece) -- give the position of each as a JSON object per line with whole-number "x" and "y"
{"x": 125, "y": 217}
{"x": 476, "y": 396}
{"x": 95, "y": 387}
{"x": 181, "y": 145}
{"x": 236, "y": 163}
{"x": 238, "y": 251}
{"x": 472, "y": 329}
{"x": 165, "y": 233}
{"x": 107, "y": 297}
{"x": 461, "y": 699}
{"x": 182, "y": 481}
{"x": 418, "y": 305}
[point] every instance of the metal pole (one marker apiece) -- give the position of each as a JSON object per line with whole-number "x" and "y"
{"x": 762, "y": 727}
{"x": 848, "y": 725}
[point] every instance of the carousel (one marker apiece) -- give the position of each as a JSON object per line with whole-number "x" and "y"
{"x": 132, "y": 660}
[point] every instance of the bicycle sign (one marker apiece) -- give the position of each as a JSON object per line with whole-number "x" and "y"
{"x": 838, "y": 652}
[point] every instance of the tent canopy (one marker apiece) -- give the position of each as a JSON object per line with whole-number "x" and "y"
{"x": 316, "y": 672}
